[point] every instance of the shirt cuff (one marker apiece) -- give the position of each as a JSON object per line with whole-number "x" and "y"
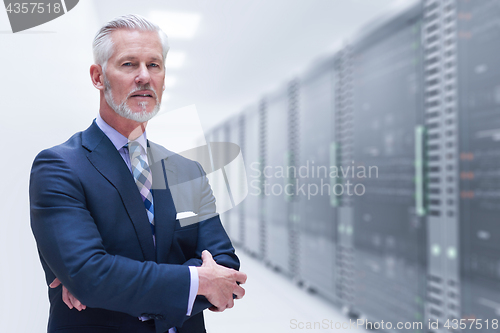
{"x": 193, "y": 290}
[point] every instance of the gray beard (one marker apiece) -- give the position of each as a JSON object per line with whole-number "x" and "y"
{"x": 124, "y": 110}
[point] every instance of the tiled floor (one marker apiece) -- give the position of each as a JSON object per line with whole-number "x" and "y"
{"x": 274, "y": 303}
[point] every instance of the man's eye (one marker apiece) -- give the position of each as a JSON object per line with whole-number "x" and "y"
{"x": 127, "y": 64}
{"x": 154, "y": 65}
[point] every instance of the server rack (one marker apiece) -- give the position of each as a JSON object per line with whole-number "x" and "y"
{"x": 440, "y": 54}
{"x": 235, "y": 133}
{"x": 389, "y": 233}
{"x": 227, "y": 215}
{"x": 343, "y": 133}
{"x": 224, "y": 134}
{"x": 263, "y": 125}
{"x": 316, "y": 157}
{"x": 278, "y": 156}
{"x": 253, "y": 227}
{"x": 475, "y": 32}
{"x": 418, "y": 98}
{"x": 216, "y": 138}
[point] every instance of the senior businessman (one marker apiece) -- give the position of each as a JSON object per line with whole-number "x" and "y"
{"x": 104, "y": 208}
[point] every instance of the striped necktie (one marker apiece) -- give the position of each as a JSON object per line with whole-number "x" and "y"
{"x": 143, "y": 179}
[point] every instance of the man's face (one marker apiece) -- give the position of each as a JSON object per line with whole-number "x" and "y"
{"x": 135, "y": 74}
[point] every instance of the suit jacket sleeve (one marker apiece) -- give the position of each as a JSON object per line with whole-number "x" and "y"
{"x": 69, "y": 242}
{"x": 211, "y": 237}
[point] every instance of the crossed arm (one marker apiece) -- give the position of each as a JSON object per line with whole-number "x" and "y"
{"x": 217, "y": 283}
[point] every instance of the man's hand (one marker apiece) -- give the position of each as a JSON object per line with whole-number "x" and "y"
{"x": 67, "y": 297}
{"x": 218, "y": 283}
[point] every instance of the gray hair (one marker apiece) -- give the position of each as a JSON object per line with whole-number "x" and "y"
{"x": 102, "y": 45}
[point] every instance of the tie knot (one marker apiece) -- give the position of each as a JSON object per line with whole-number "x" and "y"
{"x": 134, "y": 148}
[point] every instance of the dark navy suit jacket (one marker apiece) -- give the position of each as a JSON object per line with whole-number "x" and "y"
{"x": 92, "y": 232}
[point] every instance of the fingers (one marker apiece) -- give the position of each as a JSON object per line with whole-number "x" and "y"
{"x": 76, "y": 303}
{"x": 214, "y": 309}
{"x": 71, "y": 301}
{"x": 230, "y": 304}
{"x": 65, "y": 297}
{"x": 240, "y": 277}
{"x": 68, "y": 298}
{"x": 239, "y": 292}
{"x": 55, "y": 283}
{"x": 221, "y": 304}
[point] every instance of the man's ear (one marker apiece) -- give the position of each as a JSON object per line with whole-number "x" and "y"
{"x": 96, "y": 76}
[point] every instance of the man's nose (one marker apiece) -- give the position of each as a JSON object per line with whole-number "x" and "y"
{"x": 143, "y": 76}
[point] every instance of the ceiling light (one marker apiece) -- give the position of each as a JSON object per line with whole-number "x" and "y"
{"x": 177, "y": 24}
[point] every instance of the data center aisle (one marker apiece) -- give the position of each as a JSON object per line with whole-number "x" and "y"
{"x": 274, "y": 303}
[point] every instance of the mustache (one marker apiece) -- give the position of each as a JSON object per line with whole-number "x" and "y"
{"x": 147, "y": 87}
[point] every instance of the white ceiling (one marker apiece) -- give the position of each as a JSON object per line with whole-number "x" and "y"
{"x": 242, "y": 49}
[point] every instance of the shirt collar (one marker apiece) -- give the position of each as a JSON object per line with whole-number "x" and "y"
{"x": 116, "y": 137}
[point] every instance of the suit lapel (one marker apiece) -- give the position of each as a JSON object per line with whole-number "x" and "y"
{"x": 107, "y": 160}
{"x": 165, "y": 212}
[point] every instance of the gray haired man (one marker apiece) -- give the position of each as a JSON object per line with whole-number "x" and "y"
{"x": 102, "y": 211}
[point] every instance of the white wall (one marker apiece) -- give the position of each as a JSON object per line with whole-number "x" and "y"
{"x": 46, "y": 97}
